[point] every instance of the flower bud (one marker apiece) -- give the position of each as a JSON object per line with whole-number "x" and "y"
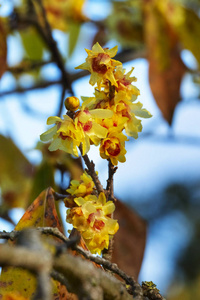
{"x": 72, "y": 103}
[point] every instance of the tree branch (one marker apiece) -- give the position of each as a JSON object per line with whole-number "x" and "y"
{"x": 91, "y": 171}
{"x": 91, "y": 282}
{"x": 40, "y": 85}
{"x": 27, "y": 66}
{"x": 123, "y": 56}
{"x": 85, "y": 280}
{"x": 111, "y": 171}
{"x": 96, "y": 259}
{"x": 35, "y": 261}
{"x": 54, "y": 49}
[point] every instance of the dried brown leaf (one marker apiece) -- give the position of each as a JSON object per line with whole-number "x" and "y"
{"x": 166, "y": 68}
{"x": 129, "y": 241}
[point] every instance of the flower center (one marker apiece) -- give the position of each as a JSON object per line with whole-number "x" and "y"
{"x": 113, "y": 149}
{"x": 63, "y": 137}
{"x": 87, "y": 126}
{"x": 96, "y": 63}
{"x": 98, "y": 224}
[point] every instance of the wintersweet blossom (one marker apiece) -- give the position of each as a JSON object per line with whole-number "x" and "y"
{"x": 93, "y": 132}
{"x": 100, "y": 120}
{"x": 64, "y": 135}
{"x": 100, "y": 64}
{"x": 82, "y": 187}
{"x": 124, "y": 81}
{"x": 113, "y": 147}
{"x": 92, "y": 219}
{"x": 128, "y": 112}
{"x": 99, "y": 101}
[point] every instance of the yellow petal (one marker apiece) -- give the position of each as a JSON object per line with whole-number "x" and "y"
{"x": 97, "y": 48}
{"x": 113, "y": 51}
{"x": 101, "y": 113}
{"x": 55, "y": 145}
{"x": 48, "y": 135}
{"x": 79, "y": 201}
{"x": 108, "y": 208}
{"x": 53, "y": 120}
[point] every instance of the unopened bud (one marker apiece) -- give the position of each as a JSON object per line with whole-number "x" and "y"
{"x": 72, "y": 103}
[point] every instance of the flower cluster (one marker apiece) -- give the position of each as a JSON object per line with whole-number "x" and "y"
{"x": 102, "y": 120}
{"x": 91, "y": 215}
{"x": 105, "y": 120}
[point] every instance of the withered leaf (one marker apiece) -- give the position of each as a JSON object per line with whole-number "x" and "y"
{"x": 166, "y": 68}
{"x": 41, "y": 213}
{"x": 129, "y": 241}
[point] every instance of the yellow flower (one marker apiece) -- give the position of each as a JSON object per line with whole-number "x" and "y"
{"x": 100, "y": 101}
{"x": 113, "y": 147}
{"x": 93, "y": 131}
{"x": 82, "y": 187}
{"x": 92, "y": 219}
{"x": 127, "y": 112}
{"x": 100, "y": 64}
{"x": 124, "y": 82}
{"x": 64, "y": 135}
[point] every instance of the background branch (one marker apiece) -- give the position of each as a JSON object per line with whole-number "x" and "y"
{"x": 123, "y": 56}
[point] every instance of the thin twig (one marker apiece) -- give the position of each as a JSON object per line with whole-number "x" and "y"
{"x": 111, "y": 171}
{"x": 91, "y": 171}
{"x": 40, "y": 85}
{"x": 122, "y": 56}
{"x": 58, "y": 196}
{"x": 54, "y": 49}
{"x": 27, "y": 66}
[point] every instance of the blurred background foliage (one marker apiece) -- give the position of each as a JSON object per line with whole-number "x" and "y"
{"x": 157, "y": 31}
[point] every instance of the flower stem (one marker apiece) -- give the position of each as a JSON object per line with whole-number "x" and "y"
{"x": 111, "y": 171}
{"x": 91, "y": 171}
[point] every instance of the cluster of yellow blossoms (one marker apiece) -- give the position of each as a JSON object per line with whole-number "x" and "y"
{"x": 101, "y": 119}
{"x": 91, "y": 215}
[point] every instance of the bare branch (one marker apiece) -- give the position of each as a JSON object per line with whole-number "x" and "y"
{"x": 91, "y": 171}
{"x": 27, "y": 66}
{"x": 58, "y": 196}
{"x": 85, "y": 280}
{"x": 53, "y": 48}
{"x": 98, "y": 260}
{"x": 111, "y": 171}
{"x": 40, "y": 85}
{"x": 93, "y": 282}
{"x": 59, "y": 277}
